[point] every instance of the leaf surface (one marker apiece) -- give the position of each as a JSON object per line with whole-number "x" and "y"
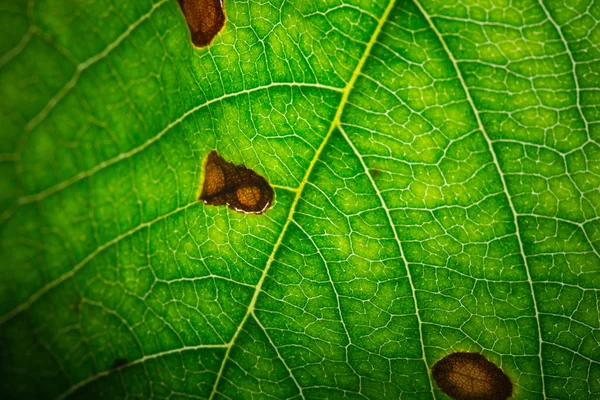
{"x": 436, "y": 167}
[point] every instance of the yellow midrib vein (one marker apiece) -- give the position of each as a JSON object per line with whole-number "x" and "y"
{"x": 334, "y": 125}
{"x": 251, "y": 307}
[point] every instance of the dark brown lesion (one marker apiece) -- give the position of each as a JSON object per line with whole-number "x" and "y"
{"x": 235, "y": 186}
{"x": 119, "y": 363}
{"x": 205, "y": 18}
{"x": 76, "y": 307}
{"x": 470, "y": 376}
{"x": 375, "y": 173}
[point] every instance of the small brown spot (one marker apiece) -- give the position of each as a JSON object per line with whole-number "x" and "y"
{"x": 205, "y": 18}
{"x": 118, "y": 363}
{"x": 236, "y": 186}
{"x": 375, "y": 173}
{"x": 214, "y": 179}
{"x": 248, "y": 195}
{"x": 470, "y": 376}
{"x": 76, "y": 307}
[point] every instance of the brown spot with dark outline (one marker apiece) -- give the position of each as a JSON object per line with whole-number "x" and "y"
{"x": 235, "y": 186}
{"x": 470, "y": 376}
{"x": 205, "y": 18}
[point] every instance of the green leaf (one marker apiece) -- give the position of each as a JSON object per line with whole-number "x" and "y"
{"x": 437, "y": 174}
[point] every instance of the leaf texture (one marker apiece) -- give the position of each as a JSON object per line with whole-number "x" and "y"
{"x": 436, "y": 167}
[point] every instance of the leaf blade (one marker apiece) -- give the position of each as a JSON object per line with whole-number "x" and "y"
{"x": 449, "y": 189}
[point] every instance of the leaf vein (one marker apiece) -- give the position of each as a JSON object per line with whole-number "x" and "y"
{"x": 334, "y": 124}
{"x": 502, "y": 180}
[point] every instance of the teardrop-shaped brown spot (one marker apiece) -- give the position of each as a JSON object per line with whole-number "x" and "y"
{"x": 205, "y": 18}
{"x": 236, "y": 186}
{"x": 470, "y": 376}
{"x": 248, "y": 195}
{"x": 214, "y": 180}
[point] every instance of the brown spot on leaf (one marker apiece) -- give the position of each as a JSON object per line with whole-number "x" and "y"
{"x": 76, "y": 307}
{"x": 375, "y": 173}
{"x": 118, "y": 363}
{"x": 205, "y": 18}
{"x": 214, "y": 180}
{"x": 470, "y": 376}
{"x": 236, "y": 186}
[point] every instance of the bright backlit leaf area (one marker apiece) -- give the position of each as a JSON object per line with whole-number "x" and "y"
{"x": 436, "y": 176}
